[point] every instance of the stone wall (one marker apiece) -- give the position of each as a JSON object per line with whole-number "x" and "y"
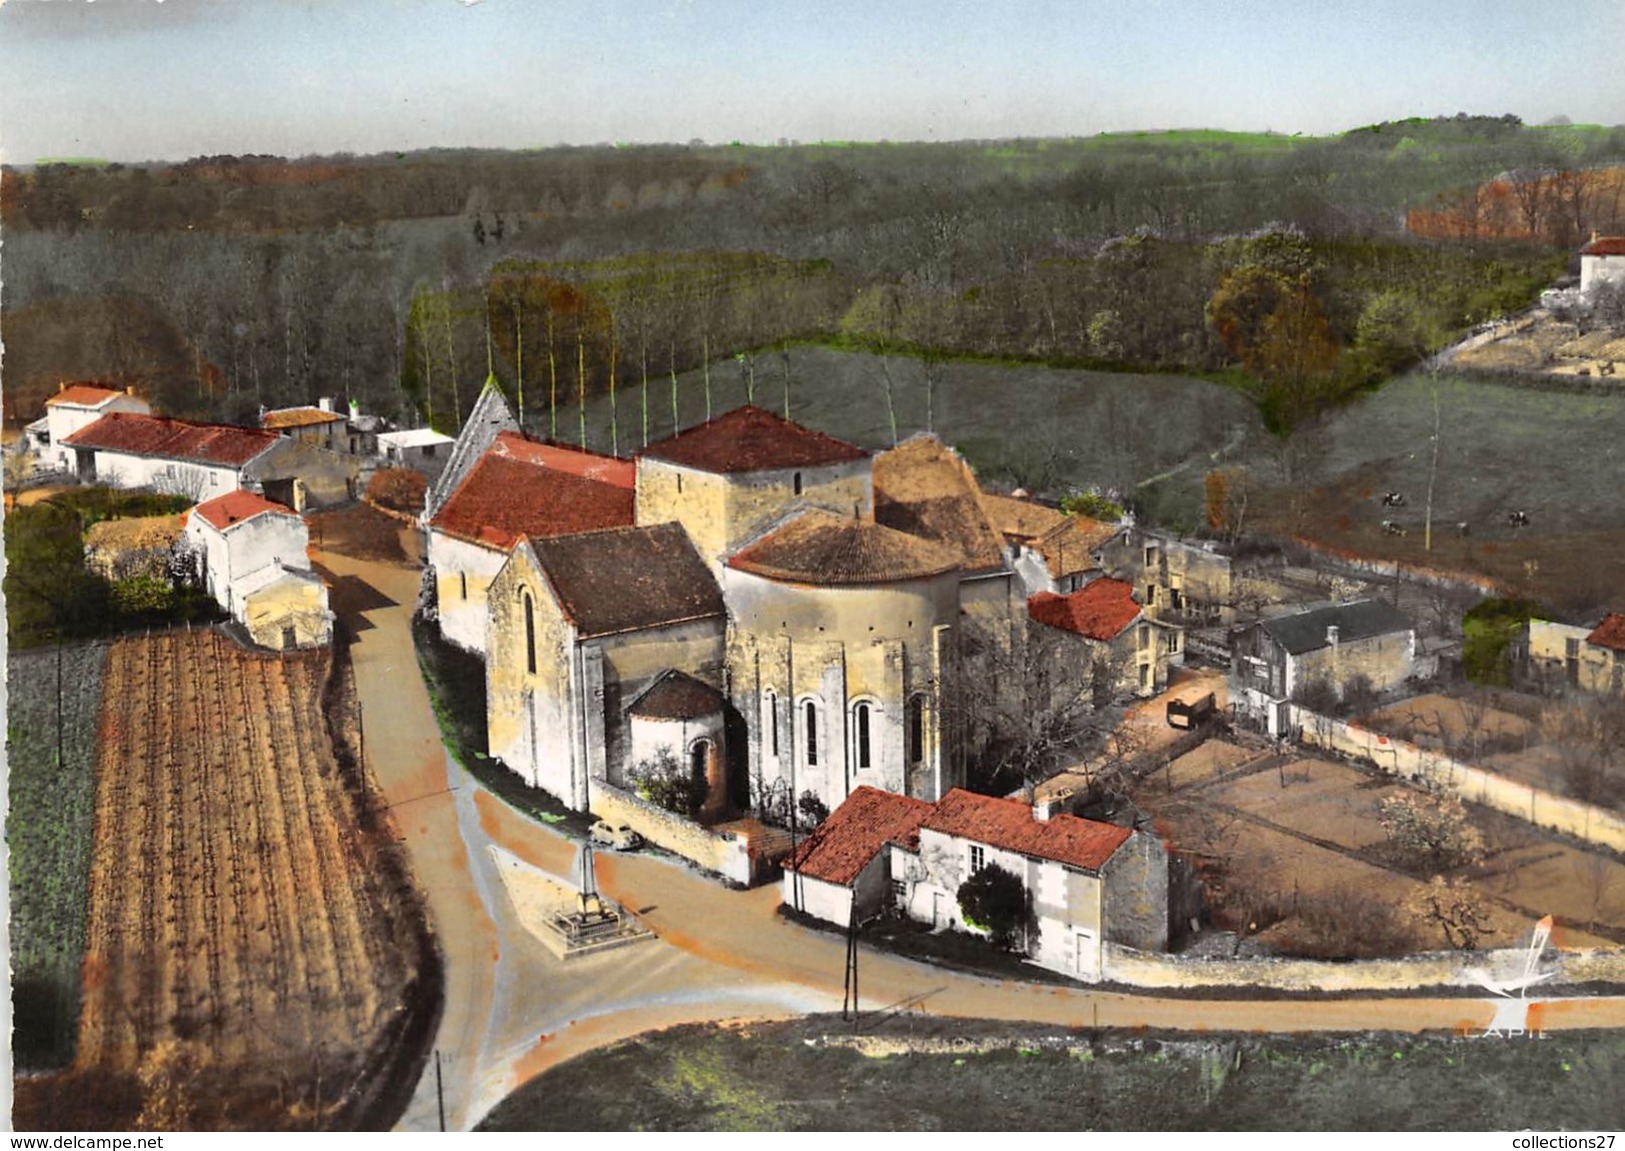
{"x": 723, "y": 853}
{"x": 1439, "y": 772}
{"x": 1434, "y": 969}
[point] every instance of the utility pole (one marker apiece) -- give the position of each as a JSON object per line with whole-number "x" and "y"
{"x": 439, "y": 1089}
{"x": 849, "y": 999}
{"x": 1433, "y": 468}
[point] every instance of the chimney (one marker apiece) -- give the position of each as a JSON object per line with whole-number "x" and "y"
{"x": 1331, "y": 634}
{"x": 1042, "y": 809}
{"x": 129, "y": 389}
{"x": 325, "y": 403}
{"x": 355, "y": 410}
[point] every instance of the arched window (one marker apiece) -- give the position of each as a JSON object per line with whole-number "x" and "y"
{"x": 530, "y": 636}
{"x": 770, "y": 721}
{"x": 810, "y": 712}
{"x": 795, "y": 483}
{"x": 462, "y": 584}
{"x": 914, "y": 725}
{"x": 860, "y": 735}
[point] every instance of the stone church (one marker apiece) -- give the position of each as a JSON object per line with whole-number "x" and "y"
{"x": 783, "y": 611}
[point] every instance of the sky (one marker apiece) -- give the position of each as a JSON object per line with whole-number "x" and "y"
{"x": 133, "y": 80}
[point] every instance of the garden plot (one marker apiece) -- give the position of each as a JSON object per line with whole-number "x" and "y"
{"x": 1292, "y": 850}
{"x": 247, "y": 948}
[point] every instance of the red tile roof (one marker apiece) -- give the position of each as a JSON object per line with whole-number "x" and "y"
{"x": 855, "y": 832}
{"x": 236, "y": 507}
{"x": 678, "y": 695}
{"x": 298, "y": 418}
{"x": 1610, "y": 633}
{"x": 1009, "y": 825}
{"x": 1100, "y": 610}
{"x": 589, "y": 465}
{"x": 819, "y": 547}
{"x": 504, "y": 498}
{"x": 89, "y": 395}
{"x": 223, "y": 444}
{"x": 1605, "y": 246}
{"x": 752, "y": 439}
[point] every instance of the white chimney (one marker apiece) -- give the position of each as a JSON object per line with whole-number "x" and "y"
{"x": 1041, "y": 810}
{"x": 355, "y": 410}
{"x": 325, "y": 403}
{"x": 1331, "y": 634}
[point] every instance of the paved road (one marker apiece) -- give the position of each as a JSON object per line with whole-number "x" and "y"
{"x": 512, "y": 1010}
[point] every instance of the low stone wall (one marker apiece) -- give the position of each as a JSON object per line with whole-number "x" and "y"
{"x": 1441, "y": 773}
{"x": 1434, "y": 969}
{"x": 725, "y": 854}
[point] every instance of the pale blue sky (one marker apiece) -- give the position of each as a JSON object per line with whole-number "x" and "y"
{"x": 136, "y": 79}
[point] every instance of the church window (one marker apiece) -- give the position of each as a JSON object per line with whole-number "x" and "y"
{"x": 860, "y": 724}
{"x": 915, "y": 726}
{"x": 530, "y": 636}
{"x": 795, "y": 483}
{"x": 462, "y": 584}
{"x": 770, "y": 708}
{"x": 811, "y": 713}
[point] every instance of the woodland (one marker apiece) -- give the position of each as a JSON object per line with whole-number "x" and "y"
{"x": 1300, "y": 270}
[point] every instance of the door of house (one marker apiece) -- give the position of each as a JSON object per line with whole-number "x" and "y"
{"x": 1283, "y": 719}
{"x": 1087, "y": 962}
{"x": 937, "y": 919}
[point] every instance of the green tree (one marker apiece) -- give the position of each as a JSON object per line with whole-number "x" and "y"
{"x": 666, "y": 782}
{"x": 996, "y": 901}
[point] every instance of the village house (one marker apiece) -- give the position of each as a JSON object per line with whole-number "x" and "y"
{"x": 1602, "y": 261}
{"x": 420, "y": 449}
{"x": 1275, "y": 659}
{"x": 1099, "y": 640}
{"x": 1586, "y": 657}
{"x": 74, "y": 407}
{"x": 253, "y": 558}
{"x": 1190, "y": 582}
{"x": 1048, "y": 549}
{"x": 319, "y": 426}
{"x": 1089, "y": 882}
{"x": 132, "y": 450}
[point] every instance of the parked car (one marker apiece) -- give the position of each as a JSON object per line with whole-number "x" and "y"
{"x": 615, "y": 836}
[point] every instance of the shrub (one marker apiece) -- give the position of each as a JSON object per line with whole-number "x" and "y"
{"x": 1318, "y": 695}
{"x": 996, "y": 901}
{"x": 1093, "y": 505}
{"x": 668, "y": 783}
{"x": 812, "y": 809}
{"x": 399, "y": 489}
{"x": 1488, "y": 631}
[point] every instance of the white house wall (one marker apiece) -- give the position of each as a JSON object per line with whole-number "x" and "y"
{"x": 247, "y": 547}
{"x": 463, "y": 575}
{"x": 180, "y": 477}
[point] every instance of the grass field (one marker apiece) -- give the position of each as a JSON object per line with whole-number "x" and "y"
{"x": 1044, "y": 428}
{"x": 1009, "y": 1078}
{"x": 49, "y": 830}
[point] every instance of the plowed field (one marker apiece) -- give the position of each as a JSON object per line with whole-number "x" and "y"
{"x": 254, "y": 957}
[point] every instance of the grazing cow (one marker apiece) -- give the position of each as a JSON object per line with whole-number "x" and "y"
{"x": 1393, "y": 500}
{"x": 1392, "y": 528}
{"x": 1518, "y": 519}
